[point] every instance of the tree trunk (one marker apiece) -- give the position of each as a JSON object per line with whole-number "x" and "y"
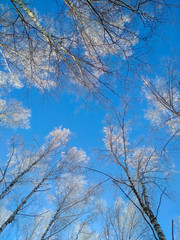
{"x": 11, "y": 218}
{"x": 146, "y": 209}
{"x": 2, "y": 195}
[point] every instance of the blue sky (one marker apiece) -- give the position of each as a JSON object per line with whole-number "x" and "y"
{"x": 85, "y": 119}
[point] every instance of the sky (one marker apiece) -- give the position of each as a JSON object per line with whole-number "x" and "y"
{"x": 86, "y": 120}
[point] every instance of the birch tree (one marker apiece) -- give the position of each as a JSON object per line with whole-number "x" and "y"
{"x": 13, "y": 114}
{"x": 74, "y": 49}
{"x": 52, "y": 173}
{"x": 122, "y": 221}
{"x": 76, "y": 44}
{"x": 80, "y": 47}
{"x": 142, "y": 170}
{"x": 163, "y": 96}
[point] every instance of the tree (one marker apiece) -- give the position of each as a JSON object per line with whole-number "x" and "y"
{"x": 52, "y": 172}
{"x": 123, "y": 221}
{"x": 34, "y": 53}
{"x": 163, "y": 98}
{"x": 12, "y": 114}
{"x": 82, "y": 231}
{"x": 87, "y": 45}
{"x": 142, "y": 170}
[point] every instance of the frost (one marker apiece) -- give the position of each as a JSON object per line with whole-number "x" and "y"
{"x": 8, "y": 80}
{"x": 75, "y": 156}
{"x": 100, "y": 35}
{"x": 114, "y": 139}
{"x": 58, "y": 137}
{"x": 75, "y": 184}
{"x": 145, "y": 159}
{"x": 164, "y": 104}
{"x": 12, "y": 114}
{"x": 37, "y": 226}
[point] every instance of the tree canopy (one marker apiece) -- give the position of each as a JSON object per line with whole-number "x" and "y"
{"x": 102, "y": 53}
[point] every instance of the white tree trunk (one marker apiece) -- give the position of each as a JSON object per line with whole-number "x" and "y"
{"x": 13, "y": 215}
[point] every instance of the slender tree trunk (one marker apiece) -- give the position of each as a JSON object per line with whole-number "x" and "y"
{"x": 51, "y": 223}
{"x": 172, "y": 229}
{"x": 56, "y": 215}
{"x": 50, "y": 39}
{"x": 13, "y": 215}
{"x": 2, "y": 195}
{"x": 147, "y": 210}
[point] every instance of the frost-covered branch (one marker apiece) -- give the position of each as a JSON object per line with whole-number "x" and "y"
{"x": 163, "y": 98}
{"x": 12, "y": 114}
{"x": 141, "y": 169}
